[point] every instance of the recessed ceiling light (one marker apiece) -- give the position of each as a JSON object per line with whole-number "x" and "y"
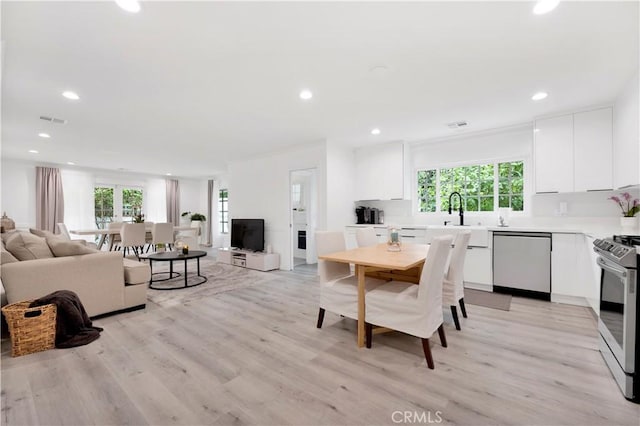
{"x": 129, "y": 5}
{"x": 536, "y": 130}
{"x": 71, "y": 163}
{"x": 168, "y": 174}
{"x": 33, "y": 151}
{"x": 71, "y": 95}
{"x": 545, "y": 6}
{"x": 375, "y": 131}
{"x": 44, "y": 135}
{"x": 539, "y": 96}
{"x": 306, "y": 94}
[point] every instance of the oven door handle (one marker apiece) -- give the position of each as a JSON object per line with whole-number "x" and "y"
{"x": 619, "y": 272}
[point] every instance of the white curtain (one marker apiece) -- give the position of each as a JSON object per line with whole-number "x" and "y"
{"x": 79, "y": 196}
{"x": 211, "y": 203}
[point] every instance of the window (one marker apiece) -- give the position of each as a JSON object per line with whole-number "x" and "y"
{"x": 223, "y": 210}
{"x": 296, "y": 192}
{"x": 103, "y": 205}
{"x": 476, "y": 184}
{"x": 427, "y": 190}
{"x": 510, "y": 185}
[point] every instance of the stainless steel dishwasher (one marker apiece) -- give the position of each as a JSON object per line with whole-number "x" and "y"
{"x": 522, "y": 264}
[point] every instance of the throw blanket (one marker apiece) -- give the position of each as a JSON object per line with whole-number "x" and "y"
{"x": 73, "y": 326}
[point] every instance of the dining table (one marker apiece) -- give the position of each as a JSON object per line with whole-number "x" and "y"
{"x": 379, "y": 262}
{"x": 115, "y": 231}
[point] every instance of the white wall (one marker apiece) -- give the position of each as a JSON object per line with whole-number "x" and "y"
{"x": 19, "y": 192}
{"x": 259, "y": 189}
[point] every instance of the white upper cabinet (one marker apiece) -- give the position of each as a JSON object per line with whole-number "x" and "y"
{"x": 553, "y": 153}
{"x": 380, "y": 172}
{"x": 574, "y": 152}
{"x": 593, "y": 147}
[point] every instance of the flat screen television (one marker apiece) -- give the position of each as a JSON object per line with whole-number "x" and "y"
{"x": 247, "y": 234}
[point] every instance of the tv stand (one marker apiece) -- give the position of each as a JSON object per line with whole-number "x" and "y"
{"x": 249, "y": 259}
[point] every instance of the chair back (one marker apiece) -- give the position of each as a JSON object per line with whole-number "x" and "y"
{"x": 430, "y": 289}
{"x": 148, "y": 225}
{"x": 64, "y": 231}
{"x": 455, "y": 274}
{"x": 133, "y": 234}
{"x": 366, "y": 237}
{"x": 162, "y": 233}
{"x": 330, "y": 242}
{"x": 114, "y": 225}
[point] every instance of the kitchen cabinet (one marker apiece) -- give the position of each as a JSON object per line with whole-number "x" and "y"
{"x": 350, "y": 237}
{"x": 380, "y": 172}
{"x": 553, "y": 154}
{"x": 574, "y": 152}
{"x": 593, "y": 149}
{"x": 565, "y": 284}
{"x": 477, "y": 268}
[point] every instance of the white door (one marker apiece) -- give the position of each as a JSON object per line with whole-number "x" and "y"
{"x": 303, "y": 206}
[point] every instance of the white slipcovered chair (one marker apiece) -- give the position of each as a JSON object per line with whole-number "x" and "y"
{"x": 453, "y": 286}
{"x": 190, "y": 236}
{"x": 114, "y": 239}
{"x": 366, "y": 237}
{"x": 162, "y": 233}
{"x": 413, "y": 309}
{"x": 133, "y": 235}
{"x": 338, "y": 287}
{"x": 64, "y": 232}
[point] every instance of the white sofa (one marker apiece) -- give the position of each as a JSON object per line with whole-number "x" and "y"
{"x": 104, "y": 281}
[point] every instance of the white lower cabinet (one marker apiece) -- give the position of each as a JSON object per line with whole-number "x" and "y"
{"x": 251, "y": 260}
{"x": 477, "y": 267}
{"x": 574, "y": 274}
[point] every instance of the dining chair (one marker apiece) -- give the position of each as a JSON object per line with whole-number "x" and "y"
{"x": 190, "y": 236}
{"x": 338, "y": 287}
{"x": 453, "y": 285}
{"x": 133, "y": 235}
{"x": 114, "y": 238}
{"x": 64, "y": 233}
{"x": 366, "y": 237}
{"x": 148, "y": 227}
{"x": 162, "y": 233}
{"x": 409, "y": 308}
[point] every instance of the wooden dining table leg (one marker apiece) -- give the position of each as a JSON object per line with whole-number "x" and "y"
{"x": 360, "y": 270}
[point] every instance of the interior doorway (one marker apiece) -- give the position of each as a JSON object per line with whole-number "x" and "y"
{"x": 303, "y": 208}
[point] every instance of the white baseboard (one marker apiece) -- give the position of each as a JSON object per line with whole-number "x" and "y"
{"x": 479, "y": 286}
{"x": 569, "y": 300}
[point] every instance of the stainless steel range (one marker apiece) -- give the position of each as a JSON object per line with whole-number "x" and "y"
{"x": 619, "y": 322}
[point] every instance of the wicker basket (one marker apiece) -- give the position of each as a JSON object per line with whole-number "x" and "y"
{"x": 31, "y": 329}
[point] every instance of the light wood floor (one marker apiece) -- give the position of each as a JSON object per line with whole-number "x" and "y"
{"x": 254, "y": 356}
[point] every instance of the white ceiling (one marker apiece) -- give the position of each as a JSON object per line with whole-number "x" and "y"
{"x": 188, "y": 87}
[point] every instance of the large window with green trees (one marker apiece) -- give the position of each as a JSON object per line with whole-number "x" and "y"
{"x": 103, "y": 205}
{"x": 483, "y": 187}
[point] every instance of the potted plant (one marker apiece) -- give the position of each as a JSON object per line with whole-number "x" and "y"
{"x": 160, "y": 247}
{"x": 198, "y": 217}
{"x": 629, "y": 209}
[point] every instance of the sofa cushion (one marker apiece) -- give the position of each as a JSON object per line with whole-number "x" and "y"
{"x": 42, "y": 233}
{"x": 136, "y": 272}
{"x": 5, "y": 256}
{"x": 26, "y": 246}
{"x": 62, "y": 247}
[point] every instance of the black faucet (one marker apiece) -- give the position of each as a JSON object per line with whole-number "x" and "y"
{"x": 460, "y": 211}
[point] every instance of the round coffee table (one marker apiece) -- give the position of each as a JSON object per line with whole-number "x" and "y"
{"x": 172, "y": 256}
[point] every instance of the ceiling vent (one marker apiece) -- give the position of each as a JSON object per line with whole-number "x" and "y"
{"x": 53, "y": 120}
{"x": 457, "y": 125}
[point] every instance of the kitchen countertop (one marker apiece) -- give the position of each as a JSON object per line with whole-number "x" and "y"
{"x": 595, "y": 231}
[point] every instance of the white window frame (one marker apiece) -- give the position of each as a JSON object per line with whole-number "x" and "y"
{"x": 526, "y": 195}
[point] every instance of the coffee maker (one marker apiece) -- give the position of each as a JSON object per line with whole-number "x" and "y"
{"x": 363, "y": 215}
